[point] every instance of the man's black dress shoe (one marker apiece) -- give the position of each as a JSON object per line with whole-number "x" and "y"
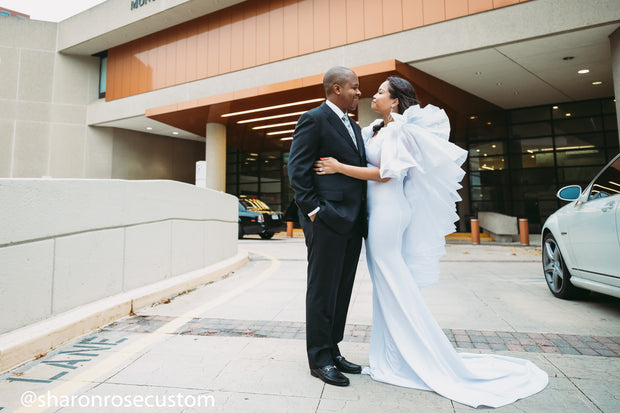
{"x": 347, "y": 367}
{"x": 330, "y": 375}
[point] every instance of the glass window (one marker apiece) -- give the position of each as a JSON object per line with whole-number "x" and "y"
{"x": 580, "y": 157}
{"x": 611, "y": 123}
{"x": 486, "y": 148}
{"x": 609, "y": 105}
{"x": 4, "y": 13}
{"x": 584, "y": 141}
{"x": 532, "y": 160}
{"x": 487, "y": 163}
{"x": 103, "y": 74}
{"x": 526, "y": 130}
{"x": 582, "y": 125}
{"x": 532, "y": 145}
{"x": 577, "y": 175}
{"x": 532, "y": 176}
{"x": 531, "y": 114}
{"x": 608, "y": 183}
{"x": 577, "y": 109}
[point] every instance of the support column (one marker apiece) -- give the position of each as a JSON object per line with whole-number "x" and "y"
{"x": 215, "y": 155}
{"x": 365, "y": 115}
{"x": 614, "y": 41}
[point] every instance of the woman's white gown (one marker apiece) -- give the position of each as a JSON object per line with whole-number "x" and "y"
{"x": 409, "y": 217}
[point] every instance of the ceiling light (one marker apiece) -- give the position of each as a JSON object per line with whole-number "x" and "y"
{"x": 274, "y": 125}
{"x": 284, "y": 105}
{"x": 493, "y": 146}
{"x": 290, "y": 138}
{"x": 473, "y": 117}
{"x": 149, "y": 128}
{"x": 284, "y": 115}
{"x": 555, "y": 108}
{"x": 253, "y": 154}
{"x": 478, "y": 73}
{"x": 489, "y": 123}
{"x": 598, "y": 82}
{"x": 281, "y": 132}
{"x": 499, "y": 83}
{"x": 175, "y": 133}
{"x": 583, "y": 71}
{"x": 568, "y": 115}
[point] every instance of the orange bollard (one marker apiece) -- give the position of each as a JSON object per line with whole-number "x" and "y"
{"x": 289, "y": 229}
{"x": 475, "y": 231}
{"x": 524, "y": 231}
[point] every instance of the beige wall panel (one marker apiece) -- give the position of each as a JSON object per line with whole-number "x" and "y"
{"x": 147, "y": 254}
{"x": 187, "y": 246}
{"x": 9, "y": 66}
{"x": 7, "y": 130}
{"x": 26, "y": 272}
{"x": 220, "y": 240}
{"x": 68, "y": 114}
{"x": 145, "y": 156}
{"x": 31, "y": 152}
{"x": 30, "y": 111}
{"x": 87, "y": 267}
{"x": 72, "y": 79}
{"x": 36, "y": 70}
{"x": 28, "y": 34}
{"x": 98, "y": 152}
{"x": 67, "y": 151}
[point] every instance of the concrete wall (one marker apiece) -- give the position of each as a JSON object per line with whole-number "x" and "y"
{"x": 67, "y": 243}
{"x": 44, "y": 97}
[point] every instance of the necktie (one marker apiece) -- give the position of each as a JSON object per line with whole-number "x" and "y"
{"x": 347, "y": 123}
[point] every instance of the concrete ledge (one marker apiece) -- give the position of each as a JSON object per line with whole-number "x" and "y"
{"x": 503, "y": 228}
{"x": 28, "y": 342}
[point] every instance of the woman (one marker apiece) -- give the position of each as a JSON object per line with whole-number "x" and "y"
{"x": 414, "y": 174}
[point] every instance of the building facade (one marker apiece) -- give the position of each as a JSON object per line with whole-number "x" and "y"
{"x": 145, "y": 89}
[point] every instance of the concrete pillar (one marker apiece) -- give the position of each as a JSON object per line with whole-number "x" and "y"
{"x": 614, "y": 41}
{"x": 365, "y": 115}
{"x": 215, "y": 155}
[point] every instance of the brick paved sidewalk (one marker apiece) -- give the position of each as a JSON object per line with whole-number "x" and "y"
{"x": 461, "y": 339}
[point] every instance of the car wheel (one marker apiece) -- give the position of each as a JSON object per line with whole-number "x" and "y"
{"x": 240, "y": 232}
{"x": 266, "y": 235}
{"x": 556, "y": 273}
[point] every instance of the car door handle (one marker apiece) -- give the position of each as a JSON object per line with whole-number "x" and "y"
{"x": 608, "y": 206}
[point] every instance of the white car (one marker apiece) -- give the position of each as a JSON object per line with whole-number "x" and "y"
{"x": 581, "y": 240}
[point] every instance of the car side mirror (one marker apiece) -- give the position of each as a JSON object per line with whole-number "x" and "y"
{"x": 569, "y": 193}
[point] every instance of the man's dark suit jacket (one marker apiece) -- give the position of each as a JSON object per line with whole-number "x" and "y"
{"x": 320, "y": 133}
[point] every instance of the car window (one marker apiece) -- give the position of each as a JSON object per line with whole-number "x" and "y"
{"x": 608, "y": 183}
{"x": 241, "y": 208}
{"x": 254, "y": 204}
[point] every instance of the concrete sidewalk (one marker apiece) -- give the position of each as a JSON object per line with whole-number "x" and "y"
{"x": 237, "y": 345}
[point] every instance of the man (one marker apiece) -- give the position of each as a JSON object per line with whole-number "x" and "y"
{"x": 332, "y": 214}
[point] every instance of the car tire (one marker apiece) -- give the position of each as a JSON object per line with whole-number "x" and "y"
{"x": 266, "y": 235}
{"x": 556, "y": 273}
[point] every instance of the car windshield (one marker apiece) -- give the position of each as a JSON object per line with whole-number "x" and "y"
{"x": 254, "y": 204}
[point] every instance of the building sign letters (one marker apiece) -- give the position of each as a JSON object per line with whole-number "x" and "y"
{"x": 139, "y": 3}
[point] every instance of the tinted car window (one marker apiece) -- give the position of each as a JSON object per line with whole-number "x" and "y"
{"x": 608, "y": 183}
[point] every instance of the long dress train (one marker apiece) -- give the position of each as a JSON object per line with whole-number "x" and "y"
{"x": 409, "y": 217}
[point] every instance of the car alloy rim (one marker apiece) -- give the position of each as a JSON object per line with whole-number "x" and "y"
{"x": 552, "y": 263}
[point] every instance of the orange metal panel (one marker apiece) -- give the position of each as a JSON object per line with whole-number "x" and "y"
{"x": 337, "y": 23}
{"x": 321, "y": 24}
{"x": 433, "y": 11}
{"x": 477, "y": 6}
{"x": 213, "y": 48}
{"x": 305, "y": 18}
{"x": 201, "y": 48}
{"x": 503, "y": 3}
{"x": 236, "y": 51}
{"x": 262, "y": 32}
{"x": 192, "y": 51}
{"x": 160, "y": 62}
{"x": 181, "y": 59}
{"x": 392, "y": 16}
{"x": 456, "y": 8}
{"x": 373, "y": 19}
{"x": 276, "y": 30}
{"x": 225, "y": 31}
{"x": 355, "y": 20}
{"x": 291, "y": 29}
{"x": 249, "y": 35}
{"x": 171, "y": 57}
{"x": 413, "y": 15}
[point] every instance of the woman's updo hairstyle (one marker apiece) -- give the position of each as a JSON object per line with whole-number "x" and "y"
{"x": 402, "y": 90}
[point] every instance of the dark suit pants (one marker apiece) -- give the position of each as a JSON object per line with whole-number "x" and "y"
{"x": 332, "y": 263}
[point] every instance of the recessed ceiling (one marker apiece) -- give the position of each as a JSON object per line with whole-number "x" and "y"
{"x": 532, "y": 72}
